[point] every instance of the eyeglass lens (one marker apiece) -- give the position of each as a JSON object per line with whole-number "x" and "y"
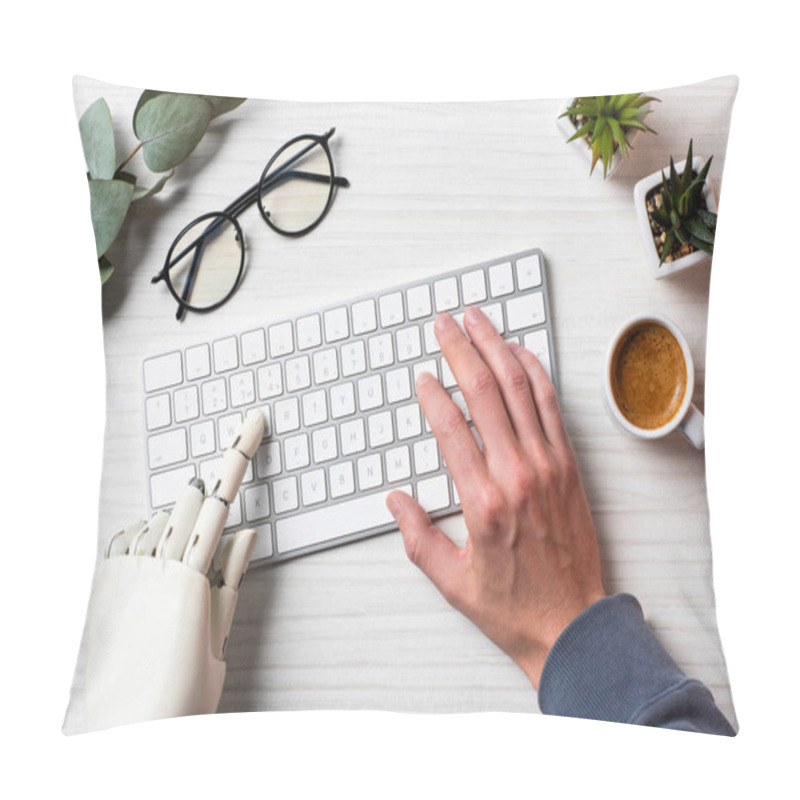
{"x": 296, "y": 186}
{"x": 205, "y": 262}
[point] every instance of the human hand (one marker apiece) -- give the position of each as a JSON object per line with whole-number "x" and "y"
{"x": 530, "y": 564}
{"x": 162, "y": 604}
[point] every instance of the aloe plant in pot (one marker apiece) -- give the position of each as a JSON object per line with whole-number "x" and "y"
{"x": 605, "y": 126}
{"x": 677, "y": 215}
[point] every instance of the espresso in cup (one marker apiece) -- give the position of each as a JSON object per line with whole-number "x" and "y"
{"x": 648, "y": 375}
{"x": 649, "y": 380}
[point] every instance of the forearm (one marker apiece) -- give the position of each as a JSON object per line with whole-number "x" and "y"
{"x": 608, "y": 665}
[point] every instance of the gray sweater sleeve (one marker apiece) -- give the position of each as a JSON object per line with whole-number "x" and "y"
{"x": 608, "y": 665}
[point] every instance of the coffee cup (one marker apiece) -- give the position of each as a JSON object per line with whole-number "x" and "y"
{"x": 649, "y": 380}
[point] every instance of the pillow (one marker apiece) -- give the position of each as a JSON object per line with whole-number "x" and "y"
{"x": 432, "y": 187}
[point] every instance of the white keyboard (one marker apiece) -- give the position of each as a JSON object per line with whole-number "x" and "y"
{"x": 336, "y": 386}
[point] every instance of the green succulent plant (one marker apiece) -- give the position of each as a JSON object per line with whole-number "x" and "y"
{"x": 606, "y": 121}
{"x": 682, "y": 213}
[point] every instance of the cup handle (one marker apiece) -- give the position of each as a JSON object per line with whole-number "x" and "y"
{"x": 693, "y": 427}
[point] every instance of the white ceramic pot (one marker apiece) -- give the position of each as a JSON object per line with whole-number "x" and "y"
{"x": 568, "y": 129}
{"x": 640, "y": 192}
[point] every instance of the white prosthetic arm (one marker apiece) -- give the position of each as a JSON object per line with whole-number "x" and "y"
{"x": 162, "y": 604}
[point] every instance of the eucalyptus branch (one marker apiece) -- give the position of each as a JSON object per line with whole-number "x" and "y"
{"x": 130, "y": 156}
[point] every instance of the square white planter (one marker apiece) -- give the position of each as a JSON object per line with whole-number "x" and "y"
{"x": 568, "y": 129}
{"x": 640, "y": 192}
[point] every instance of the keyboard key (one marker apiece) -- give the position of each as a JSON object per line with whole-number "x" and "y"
{"x": 343, "y": 400}
{"x": 270, "y": 383}
{"x": 312, "y": 485}
{"x": 418, "y": 299}
{"x": 166, "y": 486}
{"x": 501, "y": 279}
{"x": 326, "y": 368}
{"x": 380, "y": 429}
{"x": 284, "y": 495}
{"x": 398, "y": 464}
{"x": 336, "y": 327}
{"x": 281, "y": 342}
{"x": 364, "y": 319}
{"x": 525, "y": 311}
{"x": 431, "y": 342}
{"x": 309, "y": 332}
{"x": 391, "y": 308}
{"x": 334, "y": 521}
{"x": 381, "y": 352}
{"x": 298, "y": 373}
{"x": 164, "y": 449}
{"x": 353, "y": 438}
{"x": 198, "y": 362}
{"x": 341, "y": 479}
{"x": 445, "y": 294}
{"x": 242, "y": 388}
{"x": 473, "y": 287}
{"x": 268, "y": 460}
{"x": 315, "y": 409}
{"x": 426, "y": 456}
{"x": 408, "y": 421}
{"x": 495, "y": 314}
{"x": 433, "y": 493}
{"x": 370, "y": 472}
{"x": 157, "y": 411}
{"x": 202, "y": 438}
{"x": 398, "y": 385}
{"x": 370, "y": 393}
{"x": 186, "y": 404}
{"x": 215, "y": 396}
{"x": 263, "y": 545}
{"x": 226, "y": 356}
{"x": 529, "y": 272}
{"x": 324, "y": 444}
{"x": 537, "y": 343}
{"x": 254, "y": 347}
{"x": 256, "y": 502}
{"x": 287, "y": 415}
{"x": 228, "y": 427}
{"x": 354, "y": 359}
{"x": 162, "y": 371}
{"x": 408, "y": 344}
{"x": 295, "y": 452}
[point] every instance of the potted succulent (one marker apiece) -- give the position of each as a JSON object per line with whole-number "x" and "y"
{"x": 604, "y": 127}
{"x": 677, "y": 215}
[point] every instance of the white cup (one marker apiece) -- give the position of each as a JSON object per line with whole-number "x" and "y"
{"x": 687, "y": 419}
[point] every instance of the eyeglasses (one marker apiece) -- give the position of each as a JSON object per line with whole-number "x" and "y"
{"x": 205, "y": 264}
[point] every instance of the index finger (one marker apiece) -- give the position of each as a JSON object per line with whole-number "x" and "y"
{"x": 478, "y": 384}
{"x": 214, "y": 511}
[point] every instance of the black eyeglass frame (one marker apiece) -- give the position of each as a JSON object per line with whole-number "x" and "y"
{"x": 254, "y": 194}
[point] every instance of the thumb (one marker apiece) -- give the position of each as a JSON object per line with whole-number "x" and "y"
{"x": 426, "y": 546}
{"x": 233, "y": 554}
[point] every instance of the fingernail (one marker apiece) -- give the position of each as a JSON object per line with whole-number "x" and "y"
{"x": 423, "y": 378}
{"x": 442, "y": 321}
{"x": 513, "y": 347}
{"x": 393, "y": 505}
{"x": 473, "y": 315}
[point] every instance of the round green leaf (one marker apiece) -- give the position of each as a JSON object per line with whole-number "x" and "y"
{"x": 106, "y": 268}
{"x": 97, "y": 137}
{"x": 170, "y": 127}
{"x": 109, "y": 203}
{"x": 222, "y": 105}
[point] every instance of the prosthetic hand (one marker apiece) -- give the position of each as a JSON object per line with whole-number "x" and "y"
{"x": 163, "y": 600}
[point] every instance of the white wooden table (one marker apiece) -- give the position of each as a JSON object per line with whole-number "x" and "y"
{"x": 433, "y": 187}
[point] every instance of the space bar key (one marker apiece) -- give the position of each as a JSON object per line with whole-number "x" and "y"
{"x": 334, "y": 521}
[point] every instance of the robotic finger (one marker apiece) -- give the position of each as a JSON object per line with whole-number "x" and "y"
{"x": 213, "y": 513}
